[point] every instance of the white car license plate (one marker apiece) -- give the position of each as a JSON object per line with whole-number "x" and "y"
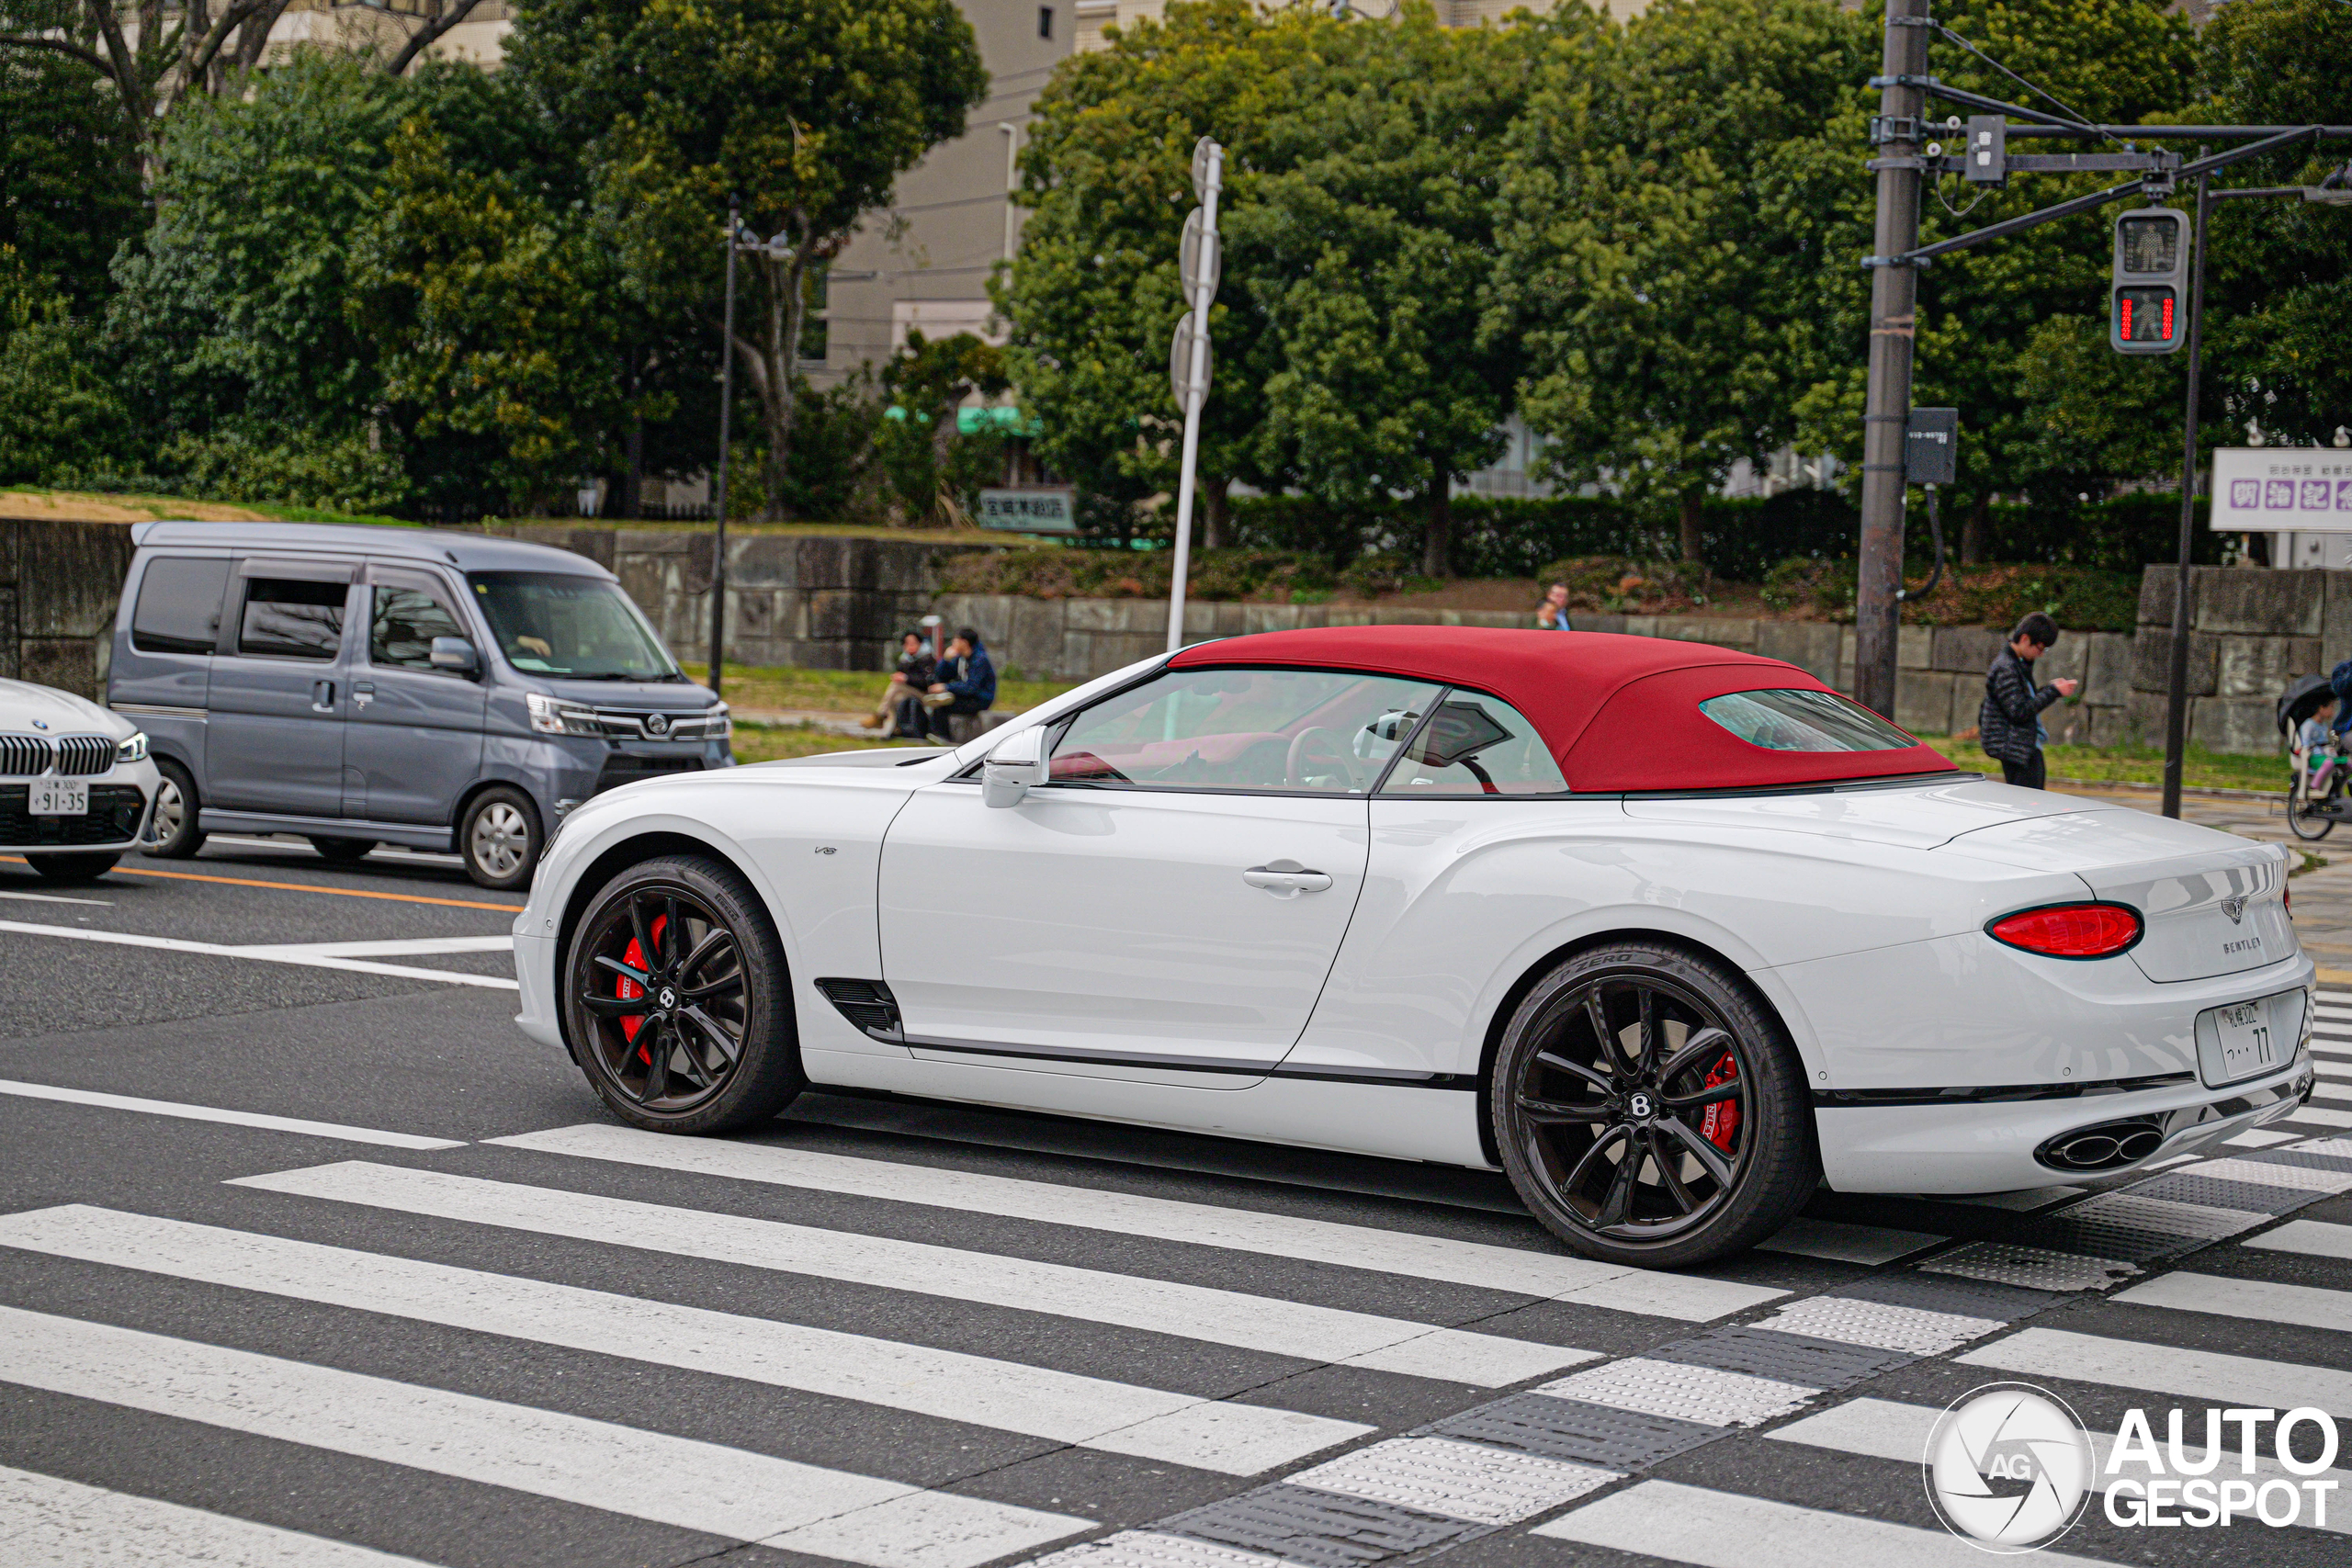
{"x": 2247, "y": 1046}
{"x": 61, "y": 797}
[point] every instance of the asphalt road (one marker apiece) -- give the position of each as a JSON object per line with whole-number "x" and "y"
{"x": 915, "y": 1336}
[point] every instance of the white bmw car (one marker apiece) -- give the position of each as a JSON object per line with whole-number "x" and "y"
{"x": 75, "y": 783}
{"x": 1670, "y": 935}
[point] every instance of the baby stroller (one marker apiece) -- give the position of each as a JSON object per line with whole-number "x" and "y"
{"x": 2316, "y": 797}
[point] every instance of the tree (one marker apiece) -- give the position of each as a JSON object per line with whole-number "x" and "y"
{"x": 808, "y": 110}
{"x": 68, "y": 176}
{"x": 1093, "y": 297}
{"x": 931, "y": 463}
{"x": 169, "y": 55}
{"x": 1661, "y": 248}
{"x": 1369, "y": 256}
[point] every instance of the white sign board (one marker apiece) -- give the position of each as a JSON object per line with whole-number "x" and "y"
{"x": 2278, "y": 490}
{"x": 1051, "y": 509}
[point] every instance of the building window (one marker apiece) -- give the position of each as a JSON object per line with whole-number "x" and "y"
{"x": 1045, "y": 21}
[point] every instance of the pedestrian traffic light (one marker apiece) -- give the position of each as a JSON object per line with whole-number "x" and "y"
{"x": 2148, "y": 294}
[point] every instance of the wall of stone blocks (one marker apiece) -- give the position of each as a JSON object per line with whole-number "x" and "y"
{"x": 60, "y": 583}
{"x": 2253, "y": 632}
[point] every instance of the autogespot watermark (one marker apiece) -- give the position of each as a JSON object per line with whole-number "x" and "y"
{"x": 2010, "y": 1468}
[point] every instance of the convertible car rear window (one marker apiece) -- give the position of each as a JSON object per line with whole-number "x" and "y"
{"x": 1795, "y": 720}
{"x": 1305, "y": 731}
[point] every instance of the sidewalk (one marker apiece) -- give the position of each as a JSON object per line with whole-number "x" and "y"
{"x": 2323, "y": 893}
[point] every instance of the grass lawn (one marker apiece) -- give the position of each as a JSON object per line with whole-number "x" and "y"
{"x": 787, "y": 686}
{"x": 2132, "y": 764}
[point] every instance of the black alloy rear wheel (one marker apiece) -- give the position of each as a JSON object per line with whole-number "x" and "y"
{"x": 1650, "y": 1110}
{"x": 677, "y": 1003}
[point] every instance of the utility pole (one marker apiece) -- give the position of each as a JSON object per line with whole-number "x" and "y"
{"x": 1201, "y": 265}
{"x": 1895, "y": 287}
{"x": 726, "y": 412}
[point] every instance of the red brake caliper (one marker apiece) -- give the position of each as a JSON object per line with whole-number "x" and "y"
{"x": 634, "y": 956}
{"x": 1722, "y": 1116}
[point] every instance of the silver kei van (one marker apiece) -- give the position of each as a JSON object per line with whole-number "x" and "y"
{"x": 360, "y": 686}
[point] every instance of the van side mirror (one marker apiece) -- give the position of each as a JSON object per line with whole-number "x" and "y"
{"x": 1018, "y": 761}
{"x": 456, "y": 655}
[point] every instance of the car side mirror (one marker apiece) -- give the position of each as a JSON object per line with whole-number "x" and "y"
{"x": 1018, "y": 761}
{"x": 455, "y": 654}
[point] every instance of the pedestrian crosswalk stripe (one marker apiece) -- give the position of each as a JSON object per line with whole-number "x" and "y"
{"x": 2258, "y": 1140}
{"x": 1882, "y": 1428}
{"x": 2254, "y": 1300}
{"x": 50, "y": 1523}
{"x": 1196, "y": 1311}
{"x": 681, "y": 1482}
{"x": 2165, "y": 1368}
{"x": 1847, "y": 1244}
{"x": 1525, "y": 1272}
{"x": 1238, "y": 1439}
{"x": 2326, "y": 1090}
{"x": 1709, "y": 1395}
{"x": 2329, "y": 1067}
{"x": 2313, "y": 1116}
{"x": 1152, "y": 1549}
{"x": 2313, "y": 1238}
{"x": 1724, "y": 1530}
{"x": 1455, "y": 1480}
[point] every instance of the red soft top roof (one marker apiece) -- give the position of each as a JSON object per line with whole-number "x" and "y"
{"x": 1619, "y": 713}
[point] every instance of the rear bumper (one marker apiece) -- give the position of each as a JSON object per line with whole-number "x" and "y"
{"x": 1989, "y": 1147}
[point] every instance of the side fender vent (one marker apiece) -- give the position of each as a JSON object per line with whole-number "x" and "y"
{"x": 868, "y": 1004}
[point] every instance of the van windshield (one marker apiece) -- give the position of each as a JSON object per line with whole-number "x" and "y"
{"x": 582, "y": 628}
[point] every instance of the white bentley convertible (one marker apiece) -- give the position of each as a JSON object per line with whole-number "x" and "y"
{"x": 75, "y": 781}
{"x": 1669, "y": 934}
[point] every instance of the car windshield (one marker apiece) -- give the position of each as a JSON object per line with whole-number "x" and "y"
{"x": 551, "y": 623}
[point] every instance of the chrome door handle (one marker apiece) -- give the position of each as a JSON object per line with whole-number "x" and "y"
{"x": 1286, "y": 878}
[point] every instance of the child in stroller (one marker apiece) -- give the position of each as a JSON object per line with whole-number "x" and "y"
{"x": 2316, "y": 755}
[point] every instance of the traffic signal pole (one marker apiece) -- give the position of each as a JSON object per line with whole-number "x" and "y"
{"x": 2176, "y": 676}
{"x": 1895, "y": 287}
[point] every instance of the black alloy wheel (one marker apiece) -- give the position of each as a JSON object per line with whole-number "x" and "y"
{"x": 1650, "y": 1110}
{"x": 677, "y": 1002}
{"x": 172, "y": 834}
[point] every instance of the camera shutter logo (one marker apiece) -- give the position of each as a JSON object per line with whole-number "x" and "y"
{"x": 2009, "y": 1468}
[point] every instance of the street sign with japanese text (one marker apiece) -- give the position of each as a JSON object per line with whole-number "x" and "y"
{"x": 2278, "y": 490}
{"x": 1035, "y": 509}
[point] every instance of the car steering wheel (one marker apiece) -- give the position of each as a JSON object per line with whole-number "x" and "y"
{"x": 1334, "y": 752}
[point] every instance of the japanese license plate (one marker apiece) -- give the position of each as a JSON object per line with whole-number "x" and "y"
{"x": 2247, "y": 1044}
{"x": 61, "y": 797}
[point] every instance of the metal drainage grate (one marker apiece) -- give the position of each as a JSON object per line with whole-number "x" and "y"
{"x": 1572, "y": 1430}
{"x": 1460, "y": 1481}
{"x": 1319, "y": 1530}
{"x": 2007, "y": 1264}
{"x": 1775, "y": 1350}
{"x": 1912, "y": 1330}
{"x": 1707, "y": 1394}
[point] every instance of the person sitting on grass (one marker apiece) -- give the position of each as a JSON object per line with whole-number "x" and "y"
{"x": 910, "y": 678}
{"x": 963, "y": 683}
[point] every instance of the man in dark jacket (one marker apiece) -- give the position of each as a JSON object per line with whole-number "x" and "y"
{"x": 965, "y": 677}
{"x": 2009, "y": 725}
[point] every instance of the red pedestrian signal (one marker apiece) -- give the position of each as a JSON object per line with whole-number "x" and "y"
{"x": 2149, "y": 282}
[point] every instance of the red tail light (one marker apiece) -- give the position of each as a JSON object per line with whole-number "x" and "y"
{"x": 2070, "y": 931}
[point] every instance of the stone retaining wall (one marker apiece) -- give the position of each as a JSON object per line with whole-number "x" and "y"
{"x": 60, "y": 583}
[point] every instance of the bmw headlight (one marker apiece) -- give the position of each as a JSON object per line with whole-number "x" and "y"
{"x": 132, "y": 750}
{"x": 553, "y": 716}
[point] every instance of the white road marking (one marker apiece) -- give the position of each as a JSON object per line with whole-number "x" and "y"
{"x": 1455, "y": 1480}
{"x": 50, "y": 1523}
{"x": 1882, "y": 1428}
{"x": 2163, "y": 1369}
{"x": 2313, "y": 1238}
{"x": 1847, "y": 1244}
{"x": 57, "y": 898}
{"x": 1850, "y": 1319}
{"x": 1525, "y": 1272}
{"x": 1707, "y": 1394}
{"x": 596, "y": 1464}
{"x": 1238, "y": 1439}
{"x": 1723, "y": 1530}
{"x": 393, "y": 947}
{"x": 2327, "y": 1067}
{"x": 2312, "y": 1116}
{"x": 233, "y": 1118}
{"x": 258, "y": 954}
{"x": 2257, "y": 1139}
{"x": 1196, "y": 1311}
{"x": 2020, "y": 1203}
{"x": 2256, "y": 1301}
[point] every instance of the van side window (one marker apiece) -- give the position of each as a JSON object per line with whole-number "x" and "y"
{"x": 404, "y": 617}
{"x": 292, "y": 618}
{"x": 179, "y": 605}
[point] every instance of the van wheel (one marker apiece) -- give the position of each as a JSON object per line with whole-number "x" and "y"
{"x": 72, "y": 868}
{"x": 174, "y": 834}
{"x": 499, "y": 837}
{"x": 1650, "y": 1110}
{"x": 342, "y": 851}
{"x": 676, "y": 1000}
